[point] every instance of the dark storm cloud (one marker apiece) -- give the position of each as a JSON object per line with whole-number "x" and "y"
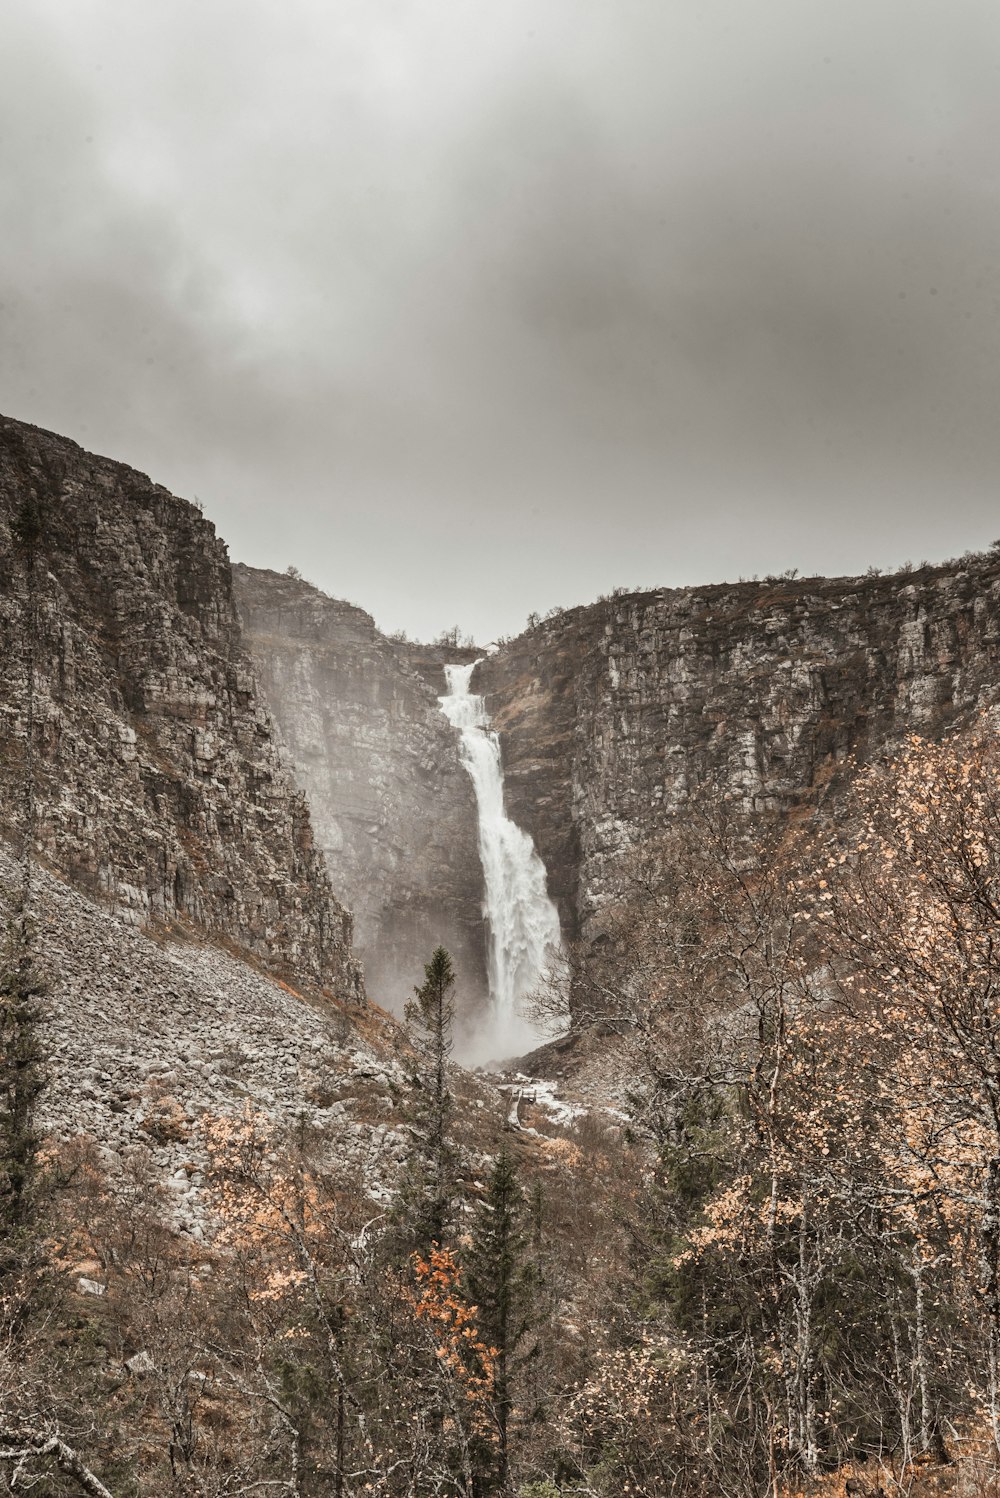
{"x": 471, "y": 311}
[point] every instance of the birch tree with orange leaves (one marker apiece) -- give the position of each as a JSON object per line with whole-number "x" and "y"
{"x": 913, "y": 922}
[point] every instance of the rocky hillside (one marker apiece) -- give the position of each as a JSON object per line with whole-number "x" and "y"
{"x": 611, "y": 715}
{"x": 160, "y": 784}
{"x": 150, "y": 1041}
{"x": 393, "y": 808}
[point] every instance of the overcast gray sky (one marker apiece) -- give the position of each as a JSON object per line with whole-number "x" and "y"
{"x": 470, "y": 309}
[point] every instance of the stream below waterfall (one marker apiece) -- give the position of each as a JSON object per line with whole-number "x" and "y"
{"x": 522, "y": 923}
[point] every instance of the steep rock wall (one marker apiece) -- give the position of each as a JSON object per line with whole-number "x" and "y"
{"x": 160, "y": 786}
{"x": 610, "y": 716}
{"x": 393, "y": 808}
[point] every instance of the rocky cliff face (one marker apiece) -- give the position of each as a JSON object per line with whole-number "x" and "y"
{"x": 393, "y": 808}
{"x": 161, "y": 787}
{"x": 610, "y": 716}
{"x": 159, "y": 783}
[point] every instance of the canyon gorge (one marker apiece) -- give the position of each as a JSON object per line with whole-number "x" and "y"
{"x": 230, "y": 747}
{"x": 609, "y": 716}
{"x": 238, "y": 822}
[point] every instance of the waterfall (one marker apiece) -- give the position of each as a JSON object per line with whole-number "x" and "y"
{"x": 522, "y": 922}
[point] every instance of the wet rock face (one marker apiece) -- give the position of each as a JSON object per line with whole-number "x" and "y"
{"x": 160, "y": 786}
{"x": 610, "y": 716}
{"x": 393, "y": 808}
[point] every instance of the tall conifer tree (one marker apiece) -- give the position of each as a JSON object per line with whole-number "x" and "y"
{"x": 21, "y": 989}
{"x": 499, "y": 1280}
{"x": 431, "y": 1016}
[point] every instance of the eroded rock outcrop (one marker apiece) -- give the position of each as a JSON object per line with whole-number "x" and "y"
{"x": 160, "y": 786}
{"x": 393, "y": 808}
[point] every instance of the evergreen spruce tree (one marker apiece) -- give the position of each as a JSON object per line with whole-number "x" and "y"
{"x": 21, "y": 988}
{"x": 499, "y": 1280}
{"x": 21, "y": 1081}
{"x": 429, "y": 1197}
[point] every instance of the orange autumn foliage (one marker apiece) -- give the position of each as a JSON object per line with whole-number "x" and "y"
{"x": 438, "y": 1303}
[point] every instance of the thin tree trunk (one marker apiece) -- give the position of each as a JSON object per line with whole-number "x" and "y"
{"x": 904, "y": 1388}
{"x": 920, "y": 1350}
{"x": 338, "y": 1486}
{"x": 991, "y": 1287}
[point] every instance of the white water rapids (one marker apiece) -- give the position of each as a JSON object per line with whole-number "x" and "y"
{"x": 522, "y": 922}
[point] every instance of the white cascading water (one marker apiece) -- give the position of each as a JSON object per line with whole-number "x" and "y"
{"x": 522, "y": 922}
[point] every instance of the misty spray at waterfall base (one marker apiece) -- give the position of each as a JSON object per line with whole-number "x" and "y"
{"x": 524, "y": 943}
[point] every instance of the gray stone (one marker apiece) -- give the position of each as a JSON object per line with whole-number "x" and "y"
{"x": 611, "y": 715}
{"x": 143, "y": 681}
{"x": 393, "y": 807}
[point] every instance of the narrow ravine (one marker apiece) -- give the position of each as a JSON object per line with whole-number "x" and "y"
{"x": 522, "y": 923}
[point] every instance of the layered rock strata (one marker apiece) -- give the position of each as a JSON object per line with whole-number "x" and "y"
{"x": 393, "y": 807}
{"x": 159, "y": 783}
